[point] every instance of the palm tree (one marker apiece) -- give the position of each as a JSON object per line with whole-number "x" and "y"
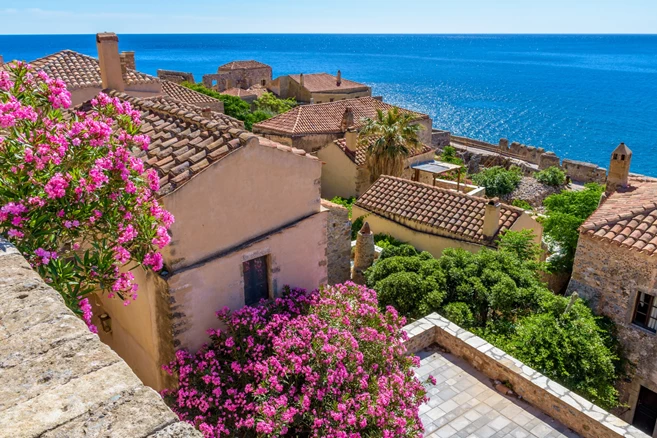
{"x": 390, "y": 139}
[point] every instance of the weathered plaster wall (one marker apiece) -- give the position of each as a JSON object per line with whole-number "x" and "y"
{"x": 253, "y": 190}
{"x": 82, "y": 95}
{"x": 610, "y": 277}
{"x": 338, "y": 248}
{"x": 296, "y": 257}
{"x": 580, "y": 415}
{"x": 339, "y": 173}
{"x": 57, "y": 379}
{"x": 334, "y": 97}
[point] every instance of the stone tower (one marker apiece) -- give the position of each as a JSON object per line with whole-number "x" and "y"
{"x": 364, "y": 255}
{"x": 619, "y": 168}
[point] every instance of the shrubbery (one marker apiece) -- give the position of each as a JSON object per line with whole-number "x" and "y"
{"x": 327, "y": 363}
{"x": 565, "y": 213}
{"x": 498, "y": 181}
{"x": 267, "y": 106}
{"x": 499, "y": 296}
{"x": 552, "y": 176}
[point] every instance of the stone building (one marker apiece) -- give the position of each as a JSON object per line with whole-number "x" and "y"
{"x": 615, "y": 269}
{"x": 433, "y": 219}
{"x": 345, "y": 172}
{"x": 317, "y": 88}
{"x": 311, "y": 127}
{"x": 175, "y": 76}
{"x": 238, "y": 74}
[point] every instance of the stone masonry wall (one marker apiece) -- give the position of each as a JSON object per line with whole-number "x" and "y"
{"x": 584, "y": 172}
{"x": 440, "y": 138}
{"x": 176, "y": 76}
{"x": 609, "y": 277}
{"x": 57, "y": 379}
{"x": 338, "y": 248}
{"x": 573, "y": 411}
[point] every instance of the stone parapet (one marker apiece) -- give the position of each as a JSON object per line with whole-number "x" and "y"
{"x": 573, "y": 411}
{"x": 57, "y": 379}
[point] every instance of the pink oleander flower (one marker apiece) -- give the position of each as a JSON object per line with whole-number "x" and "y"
{"x": 326, "y": 363}
{"x": 75, "y": 193}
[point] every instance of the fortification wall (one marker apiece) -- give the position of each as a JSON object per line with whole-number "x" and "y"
{"x": 57, "y": 379}
{"x": 240, "y": 78}
{"x": 440, "y": 138}
{"x": 579, "y": 171}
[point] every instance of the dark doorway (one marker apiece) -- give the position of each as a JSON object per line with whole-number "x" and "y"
{"x": 645, "y": 415}
{"x": 256, "y": 280}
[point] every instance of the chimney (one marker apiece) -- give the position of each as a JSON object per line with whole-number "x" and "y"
{"x": 491, "y": 218}
{"x": 339, "y": 81}
{"x": 347, "y": 119}
{"x": 301, "y": 80}
{"x": 351, "y": 137}
{"x": 364, "y": 254}
{"x": 127, "y": 61}
{"x": 206, "y": 112}
{"x": 110, "y": 61}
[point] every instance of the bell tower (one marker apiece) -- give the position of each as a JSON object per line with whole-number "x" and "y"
{"x": 619, "y": 168}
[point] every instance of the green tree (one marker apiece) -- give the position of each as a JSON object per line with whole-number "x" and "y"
{"x": 521, "y": 243}
{"x": 390, "y": 139}
{"x": 448, "y": 155}
{"x": 497, "y": 180}
{"x": 270, "y": 103}
{"x": 565, "y": 212}
{"x": 552, "y": 176}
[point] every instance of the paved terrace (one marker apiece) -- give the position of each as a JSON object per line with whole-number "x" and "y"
{"x": 465, "y": 404}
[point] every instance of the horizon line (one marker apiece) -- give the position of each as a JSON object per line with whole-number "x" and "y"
{"x": 349, "y": 34}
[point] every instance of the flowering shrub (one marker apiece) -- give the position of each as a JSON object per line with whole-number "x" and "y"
{"x": 73, "y": 199}
{"x": 323, "y": 364}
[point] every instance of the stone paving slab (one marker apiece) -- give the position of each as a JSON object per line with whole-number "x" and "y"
{"x": 464, "y": 404}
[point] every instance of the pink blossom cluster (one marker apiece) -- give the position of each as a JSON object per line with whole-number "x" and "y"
{"x": 324, "y": 364}
{"x": 85, "y": 308}
{"x": 73, "y": 192}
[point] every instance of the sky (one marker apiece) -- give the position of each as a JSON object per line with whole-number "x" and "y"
{"x": 328, "y": 16}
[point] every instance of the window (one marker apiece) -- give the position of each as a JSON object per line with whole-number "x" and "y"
{"x": 615, "y": 156}
{"x": 256, "y": 280}
{"x": 263, "y": 82}
{"x": 331, "y": 100}
{"x": 645, "y": 313}
{"x": 623, "y": 157}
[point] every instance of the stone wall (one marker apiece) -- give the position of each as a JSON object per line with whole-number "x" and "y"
{"x": 338, "y": 248}
{"x": 240, "y": 78}
{"x": 175, "y": 76}
{"x": 440, "y": 138}
{"x": 579, "y": 171}
{"x": 609, "y": 277}
{"x": 57, "y": 379}
{"x": 584, "y": 172}
{"x": 580, "y": 415}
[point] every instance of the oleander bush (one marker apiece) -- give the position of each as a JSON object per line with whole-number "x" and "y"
{"x": 497, "y": 180}
{"x": 328, "y": 363}
{"x": 552, "y": 176}
{"x": 73, "y": 199}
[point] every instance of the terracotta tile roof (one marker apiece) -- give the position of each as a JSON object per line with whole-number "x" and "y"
{"x": 186, "y": 95}
{"x": 239, "y": 92}
{"x": 183, "y": 142}
{"x": 82, "y": 71}
{"x": 236, "y": 65}
{"x": 434, "y": 210}
{"x": 360, "y": 155}
{"x": 326, "y": 118}
{"x": 324, "y": 82}
{"x": 628, "y": 218}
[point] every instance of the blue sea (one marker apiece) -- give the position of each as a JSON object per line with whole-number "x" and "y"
{"x": 577, "y": 95}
